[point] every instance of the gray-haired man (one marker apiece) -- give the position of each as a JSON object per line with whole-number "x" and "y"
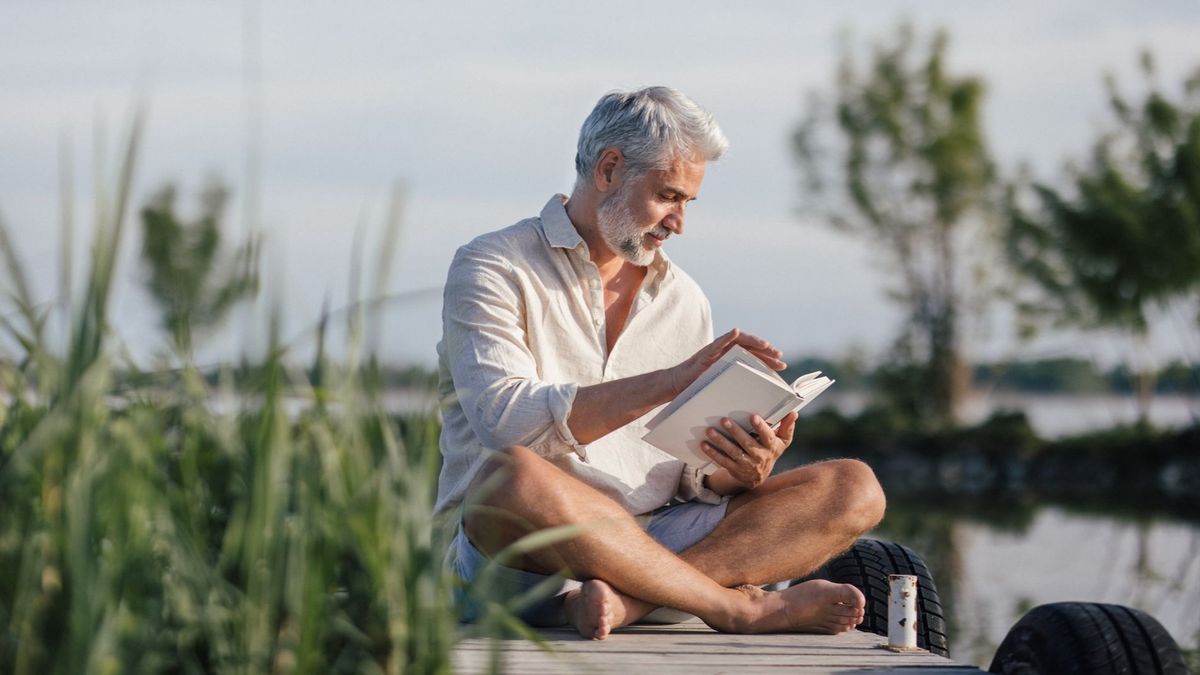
{"x": 560, "y": 334}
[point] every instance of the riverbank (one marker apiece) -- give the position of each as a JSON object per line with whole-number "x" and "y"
{"x": 1135, "y": 465}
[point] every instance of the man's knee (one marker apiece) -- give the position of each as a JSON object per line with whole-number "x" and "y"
{"x": 856, "y": 493}
{"x": 849, "y": 497}
{"x": 506, "y": 500}
{"x": 506, "y": 476}
{"x": 494, "y": 510}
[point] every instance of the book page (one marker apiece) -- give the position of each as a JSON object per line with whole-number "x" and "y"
{"x": 805, "y": 393}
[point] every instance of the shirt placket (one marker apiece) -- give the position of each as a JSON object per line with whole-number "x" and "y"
{"x": 596, "y": 295}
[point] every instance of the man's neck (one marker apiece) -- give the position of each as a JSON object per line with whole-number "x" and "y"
{"x": 582, "y": 212}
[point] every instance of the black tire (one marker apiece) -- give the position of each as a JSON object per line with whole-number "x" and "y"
{"x": 867, "y": 565}
{"x": 1087, "y": 638}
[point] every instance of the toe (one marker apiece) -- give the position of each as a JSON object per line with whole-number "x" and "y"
{"x": 850, "y": 596}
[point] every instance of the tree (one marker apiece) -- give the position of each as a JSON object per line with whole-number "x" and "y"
{"x": 194, "y": 280}
{"x": 913, "y": 174}
{"x": 1122, "y": 235}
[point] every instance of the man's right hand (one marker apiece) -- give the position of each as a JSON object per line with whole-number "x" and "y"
{"x": 685, "y": 373}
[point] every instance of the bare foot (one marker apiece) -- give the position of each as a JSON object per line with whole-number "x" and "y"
{"x": 595, "y": 609}
{"x": 815, "y": 606}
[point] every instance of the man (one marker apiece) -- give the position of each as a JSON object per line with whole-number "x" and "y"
{"x": 560, "y": 335}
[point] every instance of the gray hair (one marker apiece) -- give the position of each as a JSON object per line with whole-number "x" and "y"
{"x": 651, "y": 127}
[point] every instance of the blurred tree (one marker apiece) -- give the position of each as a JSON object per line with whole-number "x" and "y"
{"x": 1057, "y": 375}
{"x": 194, "y": 280}
{"x": 1122, "y": 236}
{"x": 911, "y": 172}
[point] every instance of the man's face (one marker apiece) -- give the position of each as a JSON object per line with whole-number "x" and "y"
{"x": 641, "y": 213}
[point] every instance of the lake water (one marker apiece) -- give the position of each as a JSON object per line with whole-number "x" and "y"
{"x": 991, "y": 570}
{"x": 990, "y": 574}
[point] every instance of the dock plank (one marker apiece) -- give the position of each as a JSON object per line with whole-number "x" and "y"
{"x": 694, "y": 649}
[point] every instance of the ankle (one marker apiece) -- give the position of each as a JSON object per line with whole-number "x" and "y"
{"x": 740, "y": 610}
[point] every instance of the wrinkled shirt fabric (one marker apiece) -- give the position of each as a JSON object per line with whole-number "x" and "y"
{"x": 523, "y": 328}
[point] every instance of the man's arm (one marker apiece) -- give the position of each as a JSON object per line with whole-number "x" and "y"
{"x": 496, "y": 378}
{"x": 602, "y": 408}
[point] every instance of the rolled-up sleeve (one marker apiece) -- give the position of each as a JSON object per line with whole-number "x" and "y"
{"x": 692, "y": 488}
{"x": 495, "y": 375}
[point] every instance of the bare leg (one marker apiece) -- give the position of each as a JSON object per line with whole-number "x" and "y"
{"x": 793, "y": 523}
{"x": 537, "y": 495}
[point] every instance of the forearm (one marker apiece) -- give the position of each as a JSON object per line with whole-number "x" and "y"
{"x": 602, "y": 408}
{"x": 723, "y": 483}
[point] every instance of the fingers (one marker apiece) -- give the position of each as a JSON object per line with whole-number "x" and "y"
{"x": 750, "y": 341}
{"x": 727, "y": 340}
{"x": 747, "y": 442}
{"x": 787, "y": 428}
{"x": 765, "y": 433}
{"x": 723, "y": 460}
{"x": 717, "y": 348}
{"x": 759, "y": 347}
{"x": 765, "y": 352}
{"x": 723, "y": 445}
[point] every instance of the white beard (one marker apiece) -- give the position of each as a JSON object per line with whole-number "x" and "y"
{"x": 622, "y": 235}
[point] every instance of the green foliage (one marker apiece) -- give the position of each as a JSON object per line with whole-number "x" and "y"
{"x": 193, "y": 527}
{"x": 1062, "y": 375}
{"x": 1122, "y": 234}
{"x": 913, "y": 175}
{"x": 193, "y": 279}
{"x": 1126, "y": 469}
{"x": 1179, "y": 377}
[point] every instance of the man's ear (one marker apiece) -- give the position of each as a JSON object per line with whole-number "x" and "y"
{"x": 609, "y": 170}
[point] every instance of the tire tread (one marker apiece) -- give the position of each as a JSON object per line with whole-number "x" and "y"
{"x": 867, "y": 565}
{"x": 1088, "y": 638}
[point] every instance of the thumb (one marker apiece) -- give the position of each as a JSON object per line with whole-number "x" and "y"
{"x": 787, "y": 428}
{"x": 727, "y": 340}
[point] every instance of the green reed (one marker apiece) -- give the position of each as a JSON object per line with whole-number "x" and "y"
{"x": 187, "y": 526}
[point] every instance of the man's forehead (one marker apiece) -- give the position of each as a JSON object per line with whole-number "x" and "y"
{"x": 682, "y": 176}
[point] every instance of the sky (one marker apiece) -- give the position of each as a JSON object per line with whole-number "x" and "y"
{"x": 473, "y": 109}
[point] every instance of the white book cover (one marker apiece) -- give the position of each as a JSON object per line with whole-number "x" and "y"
{"x": 737, "y": 386}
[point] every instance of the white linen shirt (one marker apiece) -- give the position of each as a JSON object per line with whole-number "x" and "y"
{"x": 523, "y": 327}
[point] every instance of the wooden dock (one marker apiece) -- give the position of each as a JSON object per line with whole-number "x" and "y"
{"x": 694, "y": 649}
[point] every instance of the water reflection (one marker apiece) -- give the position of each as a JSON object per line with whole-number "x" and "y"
{"x": 995, "y": 558}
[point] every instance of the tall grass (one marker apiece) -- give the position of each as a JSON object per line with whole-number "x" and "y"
{"x": 194, "y": 527}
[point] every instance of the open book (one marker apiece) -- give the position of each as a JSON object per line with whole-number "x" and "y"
{"x": 737, "y": 386}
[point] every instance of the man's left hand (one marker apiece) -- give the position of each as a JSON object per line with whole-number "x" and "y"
{"x": 748, "y": 459}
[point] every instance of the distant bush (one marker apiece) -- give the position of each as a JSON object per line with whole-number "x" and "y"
{"x": 1124, "y": 467}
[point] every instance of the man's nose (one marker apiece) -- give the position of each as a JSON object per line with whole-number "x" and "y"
{"x": 674, "y": 220}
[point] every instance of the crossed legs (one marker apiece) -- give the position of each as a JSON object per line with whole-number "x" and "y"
{"x": 783, "y": 529}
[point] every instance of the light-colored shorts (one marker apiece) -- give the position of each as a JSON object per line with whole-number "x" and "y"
{"x": 675, "y": 526}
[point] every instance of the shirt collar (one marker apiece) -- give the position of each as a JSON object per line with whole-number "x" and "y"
{"x": 561, "y": 233}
